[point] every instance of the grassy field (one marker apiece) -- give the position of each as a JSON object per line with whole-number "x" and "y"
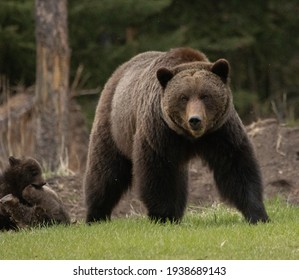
{"x": 205, "y": 233}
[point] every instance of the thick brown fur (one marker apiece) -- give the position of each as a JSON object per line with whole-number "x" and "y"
{"x": 19, "y": 174}
{"x": 21, "y": 215}
{"x": 24, "y": 198}
{"x": 156, "y": 112}
{"x": 49, "y": 201}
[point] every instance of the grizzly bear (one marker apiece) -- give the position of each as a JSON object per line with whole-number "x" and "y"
{"x": 156, "y": 112}
{"x": 24, "y": 198}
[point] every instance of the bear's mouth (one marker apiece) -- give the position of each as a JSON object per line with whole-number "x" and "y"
{"x": 38, "y": 185}
{"x": 197, "y": 133}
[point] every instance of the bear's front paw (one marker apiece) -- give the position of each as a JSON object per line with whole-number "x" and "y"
{"x": 158, "y": 218}
{"x": 257, "y": 217}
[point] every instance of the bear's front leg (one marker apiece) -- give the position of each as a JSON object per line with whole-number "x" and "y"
{"x": 237, "y": 174}
{"x": 162, "y": 183}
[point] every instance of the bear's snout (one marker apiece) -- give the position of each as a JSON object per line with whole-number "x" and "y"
{"x": 195, "y": 122}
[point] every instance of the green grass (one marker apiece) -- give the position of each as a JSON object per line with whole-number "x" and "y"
{"x": 205, "y": 233}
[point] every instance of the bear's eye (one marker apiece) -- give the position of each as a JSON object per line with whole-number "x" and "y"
{"x": 34, "y": 172}
{"x": 184, "y": 98}
{"x": 204, "y": 97}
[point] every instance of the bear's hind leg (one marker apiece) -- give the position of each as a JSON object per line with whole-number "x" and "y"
{"x": 108, "y": 177}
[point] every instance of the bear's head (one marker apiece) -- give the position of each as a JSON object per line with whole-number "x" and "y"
{"x": 196, "y": 97}
{"x": 21, "y": 173}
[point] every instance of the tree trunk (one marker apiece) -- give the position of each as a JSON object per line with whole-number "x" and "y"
{"x": 52, "y": 81}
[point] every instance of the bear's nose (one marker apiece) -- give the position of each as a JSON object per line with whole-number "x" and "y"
{"x": 195, "y": 122}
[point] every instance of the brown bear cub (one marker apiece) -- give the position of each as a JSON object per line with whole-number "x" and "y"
{"x": 19, "y": 215}
{"x": 20, "y": 174}
{"x": 156, "y": 112}
{"x": 24, "y": 198}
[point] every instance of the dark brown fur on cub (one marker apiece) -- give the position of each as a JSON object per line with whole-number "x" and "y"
{"x": 156, "y": 112}
{"x": 20, "y": 174}
{"x": 49, "y": 201}
{"x": 24, "y": 198}
{"x": 21, "y": 215}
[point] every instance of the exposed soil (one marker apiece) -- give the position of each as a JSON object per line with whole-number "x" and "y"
{"x": 277, "y": 149}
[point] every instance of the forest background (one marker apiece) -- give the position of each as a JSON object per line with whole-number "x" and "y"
{"x": 259, "y": 38}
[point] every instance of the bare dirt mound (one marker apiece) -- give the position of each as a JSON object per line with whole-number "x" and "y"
{"x": 277, "y": 149}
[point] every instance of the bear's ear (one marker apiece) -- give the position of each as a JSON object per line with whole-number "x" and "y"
{"x": 13, "y": 161}
{"x": 221, "y": 69}
{"x": 164, "y": 75}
